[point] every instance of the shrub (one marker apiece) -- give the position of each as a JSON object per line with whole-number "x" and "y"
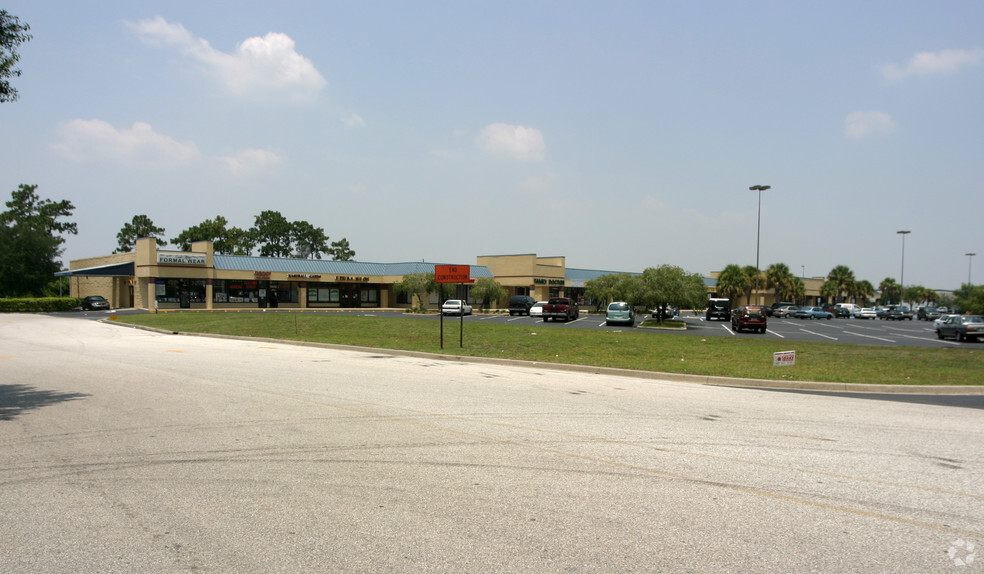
{"x": 39, "y": 304}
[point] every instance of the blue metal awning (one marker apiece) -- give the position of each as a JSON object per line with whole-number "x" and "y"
{"x": 114, "y": 270}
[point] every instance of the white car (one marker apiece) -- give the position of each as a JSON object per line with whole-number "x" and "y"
{"x": 456, "y": 307}
{"x": 537, "y": 309}
{"x": 866, "y": 313}
{"x": 941, "y": 320}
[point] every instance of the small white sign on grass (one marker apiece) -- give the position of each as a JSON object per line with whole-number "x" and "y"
{"x": 784, "y": 359}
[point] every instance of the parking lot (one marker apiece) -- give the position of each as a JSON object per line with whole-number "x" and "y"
{"x": 851, "y": 331}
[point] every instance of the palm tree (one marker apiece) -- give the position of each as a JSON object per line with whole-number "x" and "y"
{"x": 890, "y": 290}
{"x": 863, "y": 291}
{"x": 797, "y": 291}
{"x": 756, "y": 280}
{"x": 829, "y": 290}
{"x": 780, "y": 278}
{"x": 843, "y": 279}
{"x": 732, "y": 282}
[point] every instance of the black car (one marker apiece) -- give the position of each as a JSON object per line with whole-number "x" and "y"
{"x": 898, "y": 314}
{"x": 928, "y": 314}
{"x": 720, "y": 308}
{"x": 520, "y": 304}
{"x": 95, "y": 303}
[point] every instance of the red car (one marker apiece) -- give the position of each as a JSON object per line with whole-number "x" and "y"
{"x": 748, "y": 317}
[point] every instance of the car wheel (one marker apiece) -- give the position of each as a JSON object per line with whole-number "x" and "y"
{"x": 939, "y": 334}
{"x": 960, "y": 336}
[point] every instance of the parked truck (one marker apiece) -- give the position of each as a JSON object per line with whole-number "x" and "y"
{"x": 560, "y": 308}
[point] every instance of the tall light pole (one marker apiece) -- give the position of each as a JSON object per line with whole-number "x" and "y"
{"x": 902, "y": 273}
{"x": 970, "y": 260}
{"x": 758, "y": 227}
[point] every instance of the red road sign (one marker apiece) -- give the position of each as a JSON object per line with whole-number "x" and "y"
{"x": 452, "y": 274}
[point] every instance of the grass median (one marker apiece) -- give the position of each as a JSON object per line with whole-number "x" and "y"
{"x": 628, "y": 348}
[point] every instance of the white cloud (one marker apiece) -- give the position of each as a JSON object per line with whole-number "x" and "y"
{"x": 85, "y": 140}
{"x": 931, "y": 63}
{"x": 352, "y": 121}
{"x": 517, "y": 142}
{"x": 258, "y": 67}
{"x": 860, "y": 125}
{"x": 250, "y": 161}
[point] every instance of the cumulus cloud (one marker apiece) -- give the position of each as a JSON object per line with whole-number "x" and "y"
{"x": 932, "y": 63}
{"x": 860, "y": 125}
{"x": 517, "y": 142}
{"x": 85, "y": 140}
{"x": 260, "y": 66}
{"x": 250, "y": 161}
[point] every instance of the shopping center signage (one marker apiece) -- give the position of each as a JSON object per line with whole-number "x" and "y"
{"x": 452, "y": 274}
{"x": 350, "y": 279}
{"x": 165, "y": 258}
{"x": 548, "y": 282}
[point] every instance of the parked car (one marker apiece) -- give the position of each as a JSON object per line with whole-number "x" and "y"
{"x": 898, "y": 314}
{"x": 521, "y": 304}
{"x": 852, "y": 309}
{"x": 771, "y": 310}
{"x": 536, "y": 310}
{"x": 928, "y": 314}
{"x": 669, "y": 313}
{"x": 749, "y": 317}
{"x": 619, "y": 312}
{"x": 785, "y": 311}
{"x": 866, "y": 313}
{"x": 720, "y": 308}
{"x": 560, "y": 308}
{"x": 456, "y": 307}
{"x": 837, "y": 311}
{"x": 962, "y": 327}
{"x": 95, "y": 303}
{"x": 813, "y": 313}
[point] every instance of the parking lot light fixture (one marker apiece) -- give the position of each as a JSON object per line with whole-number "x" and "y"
{"x": 902, "y": 272}
{"x": 758, "y": 226}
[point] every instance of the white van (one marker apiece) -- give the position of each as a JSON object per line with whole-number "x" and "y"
{"x": 851, "y": 308}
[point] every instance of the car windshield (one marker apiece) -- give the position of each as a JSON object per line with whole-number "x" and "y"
{"x": 558, "y": 301}
{"x": 973, "y": 319}
{"x": 618, "y": 307}
{"x": 754, "y": 312}
{"x": 452, "y": 302}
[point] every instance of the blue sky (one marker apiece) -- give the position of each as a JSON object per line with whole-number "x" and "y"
{"x": 622, "y": 135}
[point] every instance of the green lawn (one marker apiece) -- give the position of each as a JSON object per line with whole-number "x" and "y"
{"x": 628, "y": 349}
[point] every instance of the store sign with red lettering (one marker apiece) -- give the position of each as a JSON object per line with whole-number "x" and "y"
{"x": 784, "y": 359}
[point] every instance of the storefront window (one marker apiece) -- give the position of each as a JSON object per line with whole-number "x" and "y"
{"x": 170, "y": 290}
{"x": 235, "y": 291}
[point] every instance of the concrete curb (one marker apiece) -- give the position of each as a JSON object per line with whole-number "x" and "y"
{"x": 652, "y": 375}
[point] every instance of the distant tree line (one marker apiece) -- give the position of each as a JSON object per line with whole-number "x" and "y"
{"x": 32, "y": 231}
{"x": 840, "y": 286}
{"x": 272, "y": 235}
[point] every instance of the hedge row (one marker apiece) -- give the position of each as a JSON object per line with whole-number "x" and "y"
{"x": 39, "y": 304}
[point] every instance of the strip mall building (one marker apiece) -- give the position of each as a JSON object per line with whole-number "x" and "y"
{"x": 150, "y": 278}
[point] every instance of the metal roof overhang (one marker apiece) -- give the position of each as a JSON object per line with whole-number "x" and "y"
{"x": 114, "y": 270}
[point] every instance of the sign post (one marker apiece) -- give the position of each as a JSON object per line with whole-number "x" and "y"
{"x": 453, "y": 274}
